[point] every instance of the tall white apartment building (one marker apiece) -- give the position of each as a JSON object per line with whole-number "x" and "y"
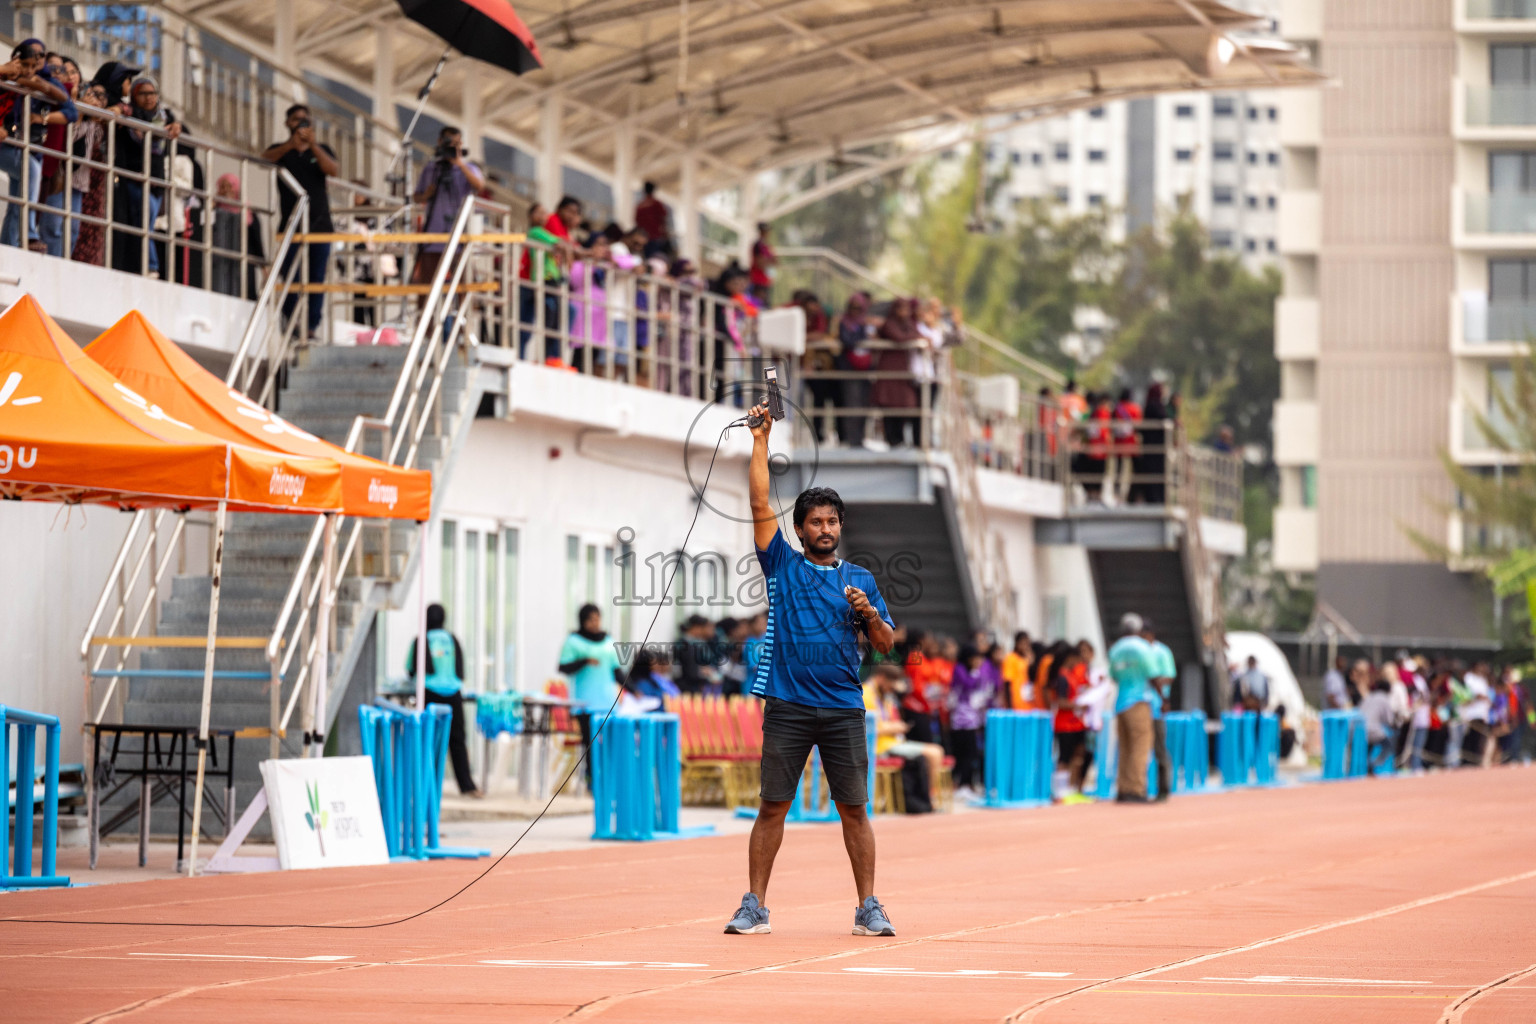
{"x": 1135, "y": 157}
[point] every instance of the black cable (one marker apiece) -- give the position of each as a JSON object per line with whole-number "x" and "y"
{"x": 586, "y": 750}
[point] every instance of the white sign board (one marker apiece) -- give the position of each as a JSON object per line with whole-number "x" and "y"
{"x": 325, "y": 812}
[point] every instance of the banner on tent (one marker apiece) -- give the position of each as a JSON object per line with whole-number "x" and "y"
{"x": 325, "y": 812}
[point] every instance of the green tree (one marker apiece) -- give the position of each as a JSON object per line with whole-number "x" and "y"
{"x": 855, "y": 222}
{"x": 1202, "y": 319}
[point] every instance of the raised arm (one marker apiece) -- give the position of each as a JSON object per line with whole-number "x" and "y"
{"x": 765, "y": 522}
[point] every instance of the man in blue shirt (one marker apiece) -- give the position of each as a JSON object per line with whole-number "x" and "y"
{"x": 808, "y": 675}
{"x": 1165, "y": 670}
{"x": 1132, "y": 665}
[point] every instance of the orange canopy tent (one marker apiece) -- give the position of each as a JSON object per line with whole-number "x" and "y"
{"x": 156, "y": 367}
{"x": 70, "y": 431}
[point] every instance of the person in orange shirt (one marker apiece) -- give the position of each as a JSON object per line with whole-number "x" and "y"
{"x": 1021, "y": 690}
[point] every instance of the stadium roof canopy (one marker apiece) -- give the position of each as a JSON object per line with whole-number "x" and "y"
{"x": 702, "y": 95}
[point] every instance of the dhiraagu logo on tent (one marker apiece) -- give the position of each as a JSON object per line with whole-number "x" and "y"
{"x": 315, "y": 818}
{"x": 286, "y": 485}
{"x": 19, "y": 456}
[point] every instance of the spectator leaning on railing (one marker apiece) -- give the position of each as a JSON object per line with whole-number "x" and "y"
{"x": 310, "y": 163}
{"x": 141, "y": 153}
{"x": 26, "y": 70}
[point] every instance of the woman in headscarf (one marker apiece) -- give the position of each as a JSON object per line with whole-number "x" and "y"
{"x": 1152, "y": 461}
{"x": 140, "y": 152}
{"x": 898, "y": 393}
{"x": 91, "y": 182}
{"x": 854, "y": 329}
{"x": 231, "y": 222}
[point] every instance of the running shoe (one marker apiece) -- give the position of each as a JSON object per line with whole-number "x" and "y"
{"x": 870, "y": 919}
{"x": 751, "y": 918}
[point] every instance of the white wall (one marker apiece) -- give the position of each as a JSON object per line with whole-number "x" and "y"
{"x": 1064, "y": 572}
{"x": 53, "y": 562}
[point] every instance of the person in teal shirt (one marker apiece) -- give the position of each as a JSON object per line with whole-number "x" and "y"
{"x": 445, "y": 683}
{"x": 1133, "y": 665}
{"x": 1164, "y": 671}
{"x": 589, "y": 661}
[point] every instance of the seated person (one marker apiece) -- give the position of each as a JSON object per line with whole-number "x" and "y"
{"x": 882, "y": 695}
{"x": 650, "y": 685}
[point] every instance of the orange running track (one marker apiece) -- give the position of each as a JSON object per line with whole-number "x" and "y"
{"x": 1376, "y": 901}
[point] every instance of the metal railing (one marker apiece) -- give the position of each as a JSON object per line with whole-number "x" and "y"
{"x": 1115, "y": 463}
{"x": 126, "y": 195}
{"x": 1485, "y": 322}
{"x": 1500, "y": 213}
{"x": 441, "y": 332}
{"x": 1500, "y": 106}
{"x": 226, "y": 90}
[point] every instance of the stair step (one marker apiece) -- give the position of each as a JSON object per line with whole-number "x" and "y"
{"x": 324, "y": 356}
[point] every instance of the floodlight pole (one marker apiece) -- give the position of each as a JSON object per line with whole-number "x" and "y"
{"x": 405, "y": 137}
{"x": 208, "y": 652}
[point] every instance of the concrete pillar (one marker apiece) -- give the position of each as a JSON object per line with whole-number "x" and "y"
{"x": 471, "y": 111}
{"x": 384, "y": 102}
{"x": 551, "y": 151}
{"x": 173, "y": 63}
{"x": 624, "y": 185}
{"x": 686, "y": 216}
{"x": 746, "y": 228}
{"x": 285, "y": 48}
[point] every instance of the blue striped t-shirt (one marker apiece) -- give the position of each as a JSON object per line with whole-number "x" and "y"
{"x": 811, "y": 649}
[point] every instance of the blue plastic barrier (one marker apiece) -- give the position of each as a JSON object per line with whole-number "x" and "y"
{"x": 1345, "y": 751}
{"x": 1188, "y": 749}
{"x": 808, "y": 805}
{"x": 498, "y": 713}
{"x": 410, "y": 751}
{"x": 637, "y": 779}
{"x": 1248, "y": 750}
{"x": 20, "y": 844}
{"x": 1018, "y": 763}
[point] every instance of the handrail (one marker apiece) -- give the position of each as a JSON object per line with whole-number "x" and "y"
{"x": 262, "y": 312}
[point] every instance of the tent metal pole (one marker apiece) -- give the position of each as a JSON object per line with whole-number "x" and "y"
{"x": 421, "y": 619}
{"x": 321, "y": 674}
{"x": 202, "y": 728}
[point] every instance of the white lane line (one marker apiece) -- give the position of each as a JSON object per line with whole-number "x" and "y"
{"x": 635, "y": 965}
{"x": 242, "y": 956}
{"x": 1286, "y": 979}
{"x": 1454, "y": 1012}
{"x": 914, "y": 972}
{"x": 1028, "y": 1013}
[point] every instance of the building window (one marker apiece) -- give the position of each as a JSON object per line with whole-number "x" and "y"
{"x": 1512, "y": 64}
{"x": 1221, "y": 239}
{"x": 1222, "y": 195}
{"x": 1223, "y": 106}
{"x": 1183, "y": 156}
{"x": 1016, "y": 158}
{"x": 1223, "y": 151}
{"x": 1095, "y": 156}
{"x": 1250, "y": 245}
{"x": 1062, "y": 194}
{"x": 1269, "y": 245}
{"x": 1274, "y": 159}
{"x": 1513, "y": 171}
{"x": 1253, "y": 113}
{"x": 1095, "y": 199}
{"x": 1309, "y": 487}
{"x": 1037, "y": 158}
{"x": 1095, "y": 111}
{"x": 1253, "y": 157}
{"x": 1253, "y": 202}
{"x": 1063, "y": 151}
{"x": 1184, "y": 110}
{"x": 1274, "y": 113}
{"x": 1270, "y": 202}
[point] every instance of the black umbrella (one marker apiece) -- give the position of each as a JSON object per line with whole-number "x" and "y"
{"x": 487, "y": 30}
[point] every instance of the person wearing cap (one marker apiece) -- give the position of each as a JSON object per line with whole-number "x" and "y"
{"x": 1132, "y": 665}
{"x": 1159, "y": 689}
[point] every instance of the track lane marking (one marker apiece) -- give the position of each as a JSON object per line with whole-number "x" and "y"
{"x": 1454, "y": 1012}
{"x": 1026, "y": 1014}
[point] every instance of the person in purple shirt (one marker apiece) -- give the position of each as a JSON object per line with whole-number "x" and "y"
{"x": 444, "y": 185}
{"x": 972, "y": 690}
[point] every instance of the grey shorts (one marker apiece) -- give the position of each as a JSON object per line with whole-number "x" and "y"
{"x": 791, "y": 730}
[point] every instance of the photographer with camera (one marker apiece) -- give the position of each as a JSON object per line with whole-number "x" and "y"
{"x": 444, "y": 185}
{"x": 310, "y": 163}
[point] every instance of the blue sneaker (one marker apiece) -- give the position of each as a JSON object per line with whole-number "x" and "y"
{"x": 750, "y": 919}
{"x": 870, "y": 919}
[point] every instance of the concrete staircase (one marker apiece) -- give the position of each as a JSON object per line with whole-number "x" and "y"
{"x": 912, "y": 550}
{"x": 323, "y": 394}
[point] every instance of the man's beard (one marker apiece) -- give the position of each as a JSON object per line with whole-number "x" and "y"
{"x": 822, "y": 546}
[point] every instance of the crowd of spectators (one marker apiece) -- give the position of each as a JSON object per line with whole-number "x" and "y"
{"x": 1428, "y": 713}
